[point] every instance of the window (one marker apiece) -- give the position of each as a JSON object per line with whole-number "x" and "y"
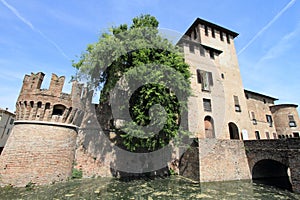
{"x": 274, "y": 135}
{"x": 228, "y": 38}
{"x": 207, "y": 105}
{"x": 31, "y": 104}
{"x": 39, "y": 104}
{"x": 292, "y": 122}
{"x": 211, "y": 54}
{"x": 222, "y": 76}
{"x": 7, "y": 131}
{"x": 253, "y": 118}
{"x": 264, "y": 100}
{"x": 237, "y": 104}
{"x": 213, "y": 33}
{"x": 58, "y": 110}
{"x": 11, "y": 121}
{"x": 269, "y": 120}
{"x": 47, "y": 106}
{"x": 221, "y": 36}
{"x": 192, "y": 48}
{"x": 205, "y": 78}
{"x": 0, "y": 117}
{"x": 267, "y": 135}
{"x": 195, "y": 33}
{"x": 296, "y": 134}
{"x": 206, "y": 30}
{"x": 257, "y": 135}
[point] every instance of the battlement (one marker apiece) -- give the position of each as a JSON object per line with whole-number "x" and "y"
{"x": 51, "y": 104}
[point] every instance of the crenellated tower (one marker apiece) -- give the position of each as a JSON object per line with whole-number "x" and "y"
{"x": 49, "y": 105}
{"x": 41, "y": 147}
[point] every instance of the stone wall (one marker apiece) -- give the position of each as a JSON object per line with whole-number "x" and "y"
{"x": 222, "y": 160}
{"x": 215, "y": 160}
{"x": 40, "y": 153}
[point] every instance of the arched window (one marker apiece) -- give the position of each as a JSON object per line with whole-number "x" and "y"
{"x": 233, "y": 131}
{"x": 39, "y": 104}
{"x": 47, "y": 106}
{"x": 209, "y": 127}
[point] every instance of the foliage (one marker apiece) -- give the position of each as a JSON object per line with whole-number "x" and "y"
{"x": 76, "y": 173}
{"x": 139, "y": 47}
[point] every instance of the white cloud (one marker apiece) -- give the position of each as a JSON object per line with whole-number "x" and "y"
{"x": 290, "y": 4}
{"x": 30, "y": 25}
{"x": 282, "y": 46}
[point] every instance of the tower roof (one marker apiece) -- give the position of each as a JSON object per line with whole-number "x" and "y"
{"x": 207, "y": 23}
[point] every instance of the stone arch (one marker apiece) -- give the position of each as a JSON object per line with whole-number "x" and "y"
{"x": 233, "y": 131}
{"x": 271, "y": 172}
{"x": 209, "y": 127}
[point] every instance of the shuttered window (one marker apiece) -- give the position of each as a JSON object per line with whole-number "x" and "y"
{"x": 205, "y": 78}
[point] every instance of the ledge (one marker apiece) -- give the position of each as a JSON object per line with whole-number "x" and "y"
{"x": 46, "y": 123}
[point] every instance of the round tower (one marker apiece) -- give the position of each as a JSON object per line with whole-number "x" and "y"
{"x": 286, "y": 120}
{"x": 42, "y": 144}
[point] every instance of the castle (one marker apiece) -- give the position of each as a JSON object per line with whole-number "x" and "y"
{"x": 52, "y": 134}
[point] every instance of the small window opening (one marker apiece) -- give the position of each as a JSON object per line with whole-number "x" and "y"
{"x": 58, "y": 110}
{"x": 221, "y": 36}
{"x": 47, "y": 106}
{"x": 206, "y": 30}
{"x": 228, "y": 38}
{"x": 213, "y": 33}
{"x": 257, "y": 135}
{"x": 212, "y": 54}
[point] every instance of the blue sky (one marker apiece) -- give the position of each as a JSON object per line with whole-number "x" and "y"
{"x": 46, "y": 35}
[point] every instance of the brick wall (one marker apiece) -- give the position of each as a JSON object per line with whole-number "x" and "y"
{"x": 38, "y": 153}
{"x": 222, "y": 160}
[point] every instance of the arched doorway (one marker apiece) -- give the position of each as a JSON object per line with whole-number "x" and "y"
{"x": 233, "y": 131}
{"x": 271, "y": 172}
{"x": 209, "y": 127}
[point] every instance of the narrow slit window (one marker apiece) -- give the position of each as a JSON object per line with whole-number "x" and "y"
{"x": 206, "y": 30}
{"x": 253, "y": 118}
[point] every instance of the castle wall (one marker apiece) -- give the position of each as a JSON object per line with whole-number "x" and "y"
{"x": 40, "y": 153}
{"x": 222, "y": 160}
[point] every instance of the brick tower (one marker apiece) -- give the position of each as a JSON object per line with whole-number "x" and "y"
{"x": 42, "y": 145}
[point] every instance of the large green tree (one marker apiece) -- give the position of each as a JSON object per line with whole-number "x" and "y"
{"x": 127, "y": 53}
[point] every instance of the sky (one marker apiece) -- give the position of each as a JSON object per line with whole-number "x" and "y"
{"x": 45, "y": 36}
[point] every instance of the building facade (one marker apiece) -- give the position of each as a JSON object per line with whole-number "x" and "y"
{"x": 6, "y": 123}
{"x": 220, "y": 107}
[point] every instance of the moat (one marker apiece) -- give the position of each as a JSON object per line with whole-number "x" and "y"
{"x": 167, "y": 188}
